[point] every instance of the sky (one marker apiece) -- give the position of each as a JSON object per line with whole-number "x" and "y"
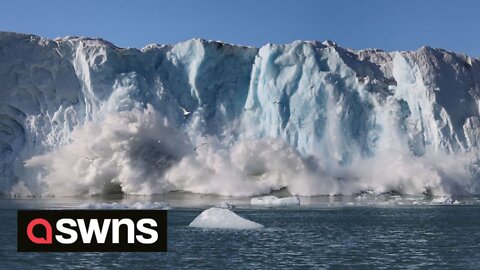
{"x": 386, "y": 24}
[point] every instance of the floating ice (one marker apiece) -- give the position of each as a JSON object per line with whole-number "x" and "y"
{"x": 445, "y": 200}
{"x": 136, "y": 205}
{"x": 222, "y": 218}
{"x": 274, "y": 201}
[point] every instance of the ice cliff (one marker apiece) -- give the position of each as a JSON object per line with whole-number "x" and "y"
{"x": 82, "y": 116}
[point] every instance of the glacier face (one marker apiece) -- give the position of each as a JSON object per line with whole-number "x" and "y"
{"x": 81, "y": 116}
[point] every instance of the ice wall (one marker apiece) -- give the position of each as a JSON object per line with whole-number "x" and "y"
{"x": 81, "y": 116}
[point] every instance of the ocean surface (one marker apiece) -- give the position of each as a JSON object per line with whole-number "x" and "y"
{"x": 363, "y": 232}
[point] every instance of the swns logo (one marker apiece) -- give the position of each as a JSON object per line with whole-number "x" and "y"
{"x": 92, "y": 230}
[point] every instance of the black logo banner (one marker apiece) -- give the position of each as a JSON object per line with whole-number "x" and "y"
{"x": 92, "y": 230}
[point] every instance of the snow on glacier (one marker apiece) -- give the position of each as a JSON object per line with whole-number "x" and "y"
{"x": 82, "y": 116}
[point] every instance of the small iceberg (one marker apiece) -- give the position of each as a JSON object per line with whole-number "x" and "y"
{"x": 275, "y": 201}
{"x": 137, "y": 205}
{"x": 222, "y": 218}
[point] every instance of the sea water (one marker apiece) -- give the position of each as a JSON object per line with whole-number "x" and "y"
{"x": 376, "y": 232}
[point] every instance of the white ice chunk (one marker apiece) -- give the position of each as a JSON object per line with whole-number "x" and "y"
{"x": 136, "y": 205}
{"x": 275, "y": 201}
{"x": 222, "y": 218}
{"x": 445, "y": 200}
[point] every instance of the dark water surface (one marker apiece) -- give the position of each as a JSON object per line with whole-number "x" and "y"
{"x": 322, "y": 236}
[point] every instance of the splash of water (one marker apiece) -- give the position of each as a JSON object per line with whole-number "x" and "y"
{"x": 140, "y": 152}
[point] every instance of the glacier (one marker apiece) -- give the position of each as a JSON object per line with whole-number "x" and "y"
{"x": 80, "y": 116}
